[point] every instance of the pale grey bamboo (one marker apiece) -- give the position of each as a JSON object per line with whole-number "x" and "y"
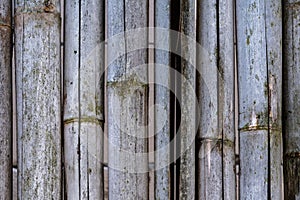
{"x": 273, "y": 33}
{"x": 162, "y": 102}
{"x": 187, "y": 129}
{"x": 291, "y": 98}
{"x": 226, "y": 73}
{"x": 216, "y": 152}
{"x": 83, "y": 95}
{"x": 127, "y": 97}
{"x": 259, "y": 72}
{"x": 210, "y": 150}
{"x": 6, "y": 99}
{"x": 37, "y": 38}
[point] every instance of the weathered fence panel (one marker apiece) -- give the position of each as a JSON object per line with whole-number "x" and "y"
{"x": 61, "y": 144}
{"x": 84, "y": 99}
{"x": 6, "y": 99}
{"x": 37, "y": 38}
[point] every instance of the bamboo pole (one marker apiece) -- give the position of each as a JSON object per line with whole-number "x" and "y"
{"x": 127, "y": 97}
{"x": 163, "y": 125}
{"x": 291, "y": 98}
{"x": 84, "y": 103}
{"x": 259, "y": 73}
{"x": 37, "y": 38}
{"x": 226, "y": 73}
{"x": 6, "y": 99}
{"x": 187, "y": 129}
{"x": 274, "y": 62}
{"x": 210, "y": 147}
{"x": 216, "y": 156}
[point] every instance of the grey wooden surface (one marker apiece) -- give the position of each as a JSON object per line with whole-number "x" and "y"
{"x": 259, "y": 73}
{"x": 162, "y": 99}
{"x": 291, "y": 102}
{"x": 216, "y": 155}
{"x": 227, "y": 109}
{"x": 187, "y": 128}
{"x": 37, "y": 38}
{"x": 6, "y": 99}
{"x": 127, "y": 103}
{"x": 259, "y": 62}
{"x": 84, "y": 99}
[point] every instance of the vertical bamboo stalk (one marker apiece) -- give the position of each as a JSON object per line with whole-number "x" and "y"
{"x": 291, "y": 98}
{"x": 259, "y": 67}
{"x": 127, "y": 97}
{"x": 162, "y": 102}
{"x": 216, "y": 143}
{"x": 187, "y": 129}
{"x": 210, "y": 152}
{"x": 84, "y": 103}
{"x": 6, "y": 99}
{"x": 226, "y": 73}
{"x": 37, "y": 48}
{"x": 274, "y": 62}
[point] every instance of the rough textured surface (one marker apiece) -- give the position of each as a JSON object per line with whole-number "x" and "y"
{"x": 253, "y": 100}
{"x": 83, "y": 95}
{"x": 162, "y": 103}
{"x": 15, "y": 185}
{"x": 254, "y": 164}
{"x": 6, "y": 99}
{"x": 187, "y": 129}
{"x": 216, "y": 131}
{"x": 274, "y": 62}
{"x": 291, "y": 98}
{"x": 38, "y": 101}
{"x": 260, "y": 69}
{"x": 127, "y": 97}
{"x": 210, "y": 139}
{"x": 227, "y": 96}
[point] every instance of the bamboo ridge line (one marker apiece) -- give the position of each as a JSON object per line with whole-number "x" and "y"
{"x": 293, "y": 155}
{"x": 55, "y": 14}
{"x": 292, "y": 5}
{"x": 3, "y": 24}
{"x": 254, "y": 128}
{"x": 50, "y": 9}
{"x": 216, "y": 140}
{"x": 84, "y": 119}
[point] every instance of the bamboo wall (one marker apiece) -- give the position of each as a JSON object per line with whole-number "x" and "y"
{"x": 151, "y": 99}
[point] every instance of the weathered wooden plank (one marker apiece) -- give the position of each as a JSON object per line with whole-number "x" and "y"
{"x": 187, "y": 129}
{"x": 291, "y": 102}
{"x": 84, "y": 103}
{"x": 127, "y": 97}
{"x": 259, "y": 66}
{"x": 162, "y": 97}
{"x": 6, "y": 99}
{"x": 37, "y": 38}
